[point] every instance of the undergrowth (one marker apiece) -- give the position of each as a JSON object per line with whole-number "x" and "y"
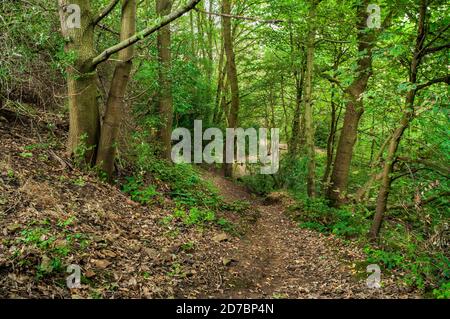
{"x": 421, "y": 266}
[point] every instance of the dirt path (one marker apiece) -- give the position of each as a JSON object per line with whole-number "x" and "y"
{"x": 128, "y": 250}
{"x": 276, "y": 259}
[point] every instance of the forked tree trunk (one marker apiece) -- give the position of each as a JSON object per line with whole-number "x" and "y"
{"x": 165, "y": 99}
{"x": 82, "y": 89}
{"x": 115, "y": 103}
{"x": 231, "y": 74}
{"x": 386, "y": 178}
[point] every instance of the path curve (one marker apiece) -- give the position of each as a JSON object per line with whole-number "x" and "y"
{"x": 277, "y": 259}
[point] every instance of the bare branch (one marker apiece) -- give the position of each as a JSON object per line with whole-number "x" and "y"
{"x": 105, "y": 11}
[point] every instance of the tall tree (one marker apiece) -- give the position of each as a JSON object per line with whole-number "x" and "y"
{"x": 309, "y": 123}
{"x": 421, "y": 49}
{"x": 115, "y": 103}
{"x": 354, "y": 108}
{"x": 231, "y": 73}
{"x": 165, "y": 99}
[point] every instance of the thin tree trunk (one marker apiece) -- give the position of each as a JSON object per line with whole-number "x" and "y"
{"x": 221, "y": 70}
{"x": 386, "y": 178}
{"x": 309, "y": 123}
{"x": 330, "y": 139}
{"x": 283, "y": 104}
{"x": 232, "y": 74}
{"x": 165, "y": 99}
{"x": 115, "y": 103}
{"x": 297, "y": 134}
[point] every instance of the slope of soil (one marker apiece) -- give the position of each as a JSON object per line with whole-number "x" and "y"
{"x": 53, "y": 215}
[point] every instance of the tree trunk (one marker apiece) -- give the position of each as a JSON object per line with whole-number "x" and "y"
{"x": 283, "y": 105}
{"x": 297, "y": 134}
{"x": 115, "y": 102}
{"x": 330, "y": 139}
{"x": 84, "y": 116}
{"x": 386, "y": 178}
{"x": 221, "y": 73}
{"x": 354, "y": 111}
{"x": 232, "y": 74}
{"x": 309, "y": 124}
{"x": 165, "y": 99}
{"x": 408, "y": 116}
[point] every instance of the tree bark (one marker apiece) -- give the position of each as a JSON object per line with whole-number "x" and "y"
{"x": 309, "y": 124}
{"x": 115, "y": 102}
{"x": 84, "y": 118}
{"x": 354, "y": 110}
{"x": 231, "y": 74}
{"x": 330, "y": 139}
{"x": 408, "y": 115}
{"x": 165, "y": 99}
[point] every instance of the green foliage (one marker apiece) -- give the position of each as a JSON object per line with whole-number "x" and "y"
{"x": 187, "y": 247}
{"x": 26, "y": 155}
{"x": 79, "y": 181}
{"x": 259, "y": 184}
{"x": 422, "y": 269}
{"x": 53, "y": 245}
{"x": 226, "y": 225}
{"x": 195, "y": 216}
{"x": 316, "y": 214}
{"x": 186, "y": 186}
{"x": 176, "y": 270}
{"x": 81, "y": 150}
{"x": 138, "y": 191}
{"x": 443, "y": 292}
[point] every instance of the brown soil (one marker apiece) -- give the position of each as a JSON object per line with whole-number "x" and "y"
{"x": 51, "y": 212}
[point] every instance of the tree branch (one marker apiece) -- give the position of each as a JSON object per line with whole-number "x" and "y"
{"x": 435, "y": 49}
{"x": 106, "y": 28}
{"x": 105, "y": 11}
{"x": 432, "y": 165}
{"x": 333, "y": 80}
{"x": 423, "y": 51}
{"x": 144, "y": 33}
{"x": 275, "y": 21}
{"x": 421, "y": 203}
{"x": 445, "y": 79}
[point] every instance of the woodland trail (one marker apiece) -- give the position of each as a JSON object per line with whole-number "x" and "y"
{"x": 131, "y": 253}
{"x": 277, "y": 259}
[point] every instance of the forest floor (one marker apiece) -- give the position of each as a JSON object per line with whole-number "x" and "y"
{"x": 53, "y": 215}
{"x": 277, "y": 259}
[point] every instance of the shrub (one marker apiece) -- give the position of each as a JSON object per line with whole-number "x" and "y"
{"x": 259, "y": 184}
{"x": 186, "y": 186}
{"x": 139, "y": 193}
{"x": 317, "y": 215}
